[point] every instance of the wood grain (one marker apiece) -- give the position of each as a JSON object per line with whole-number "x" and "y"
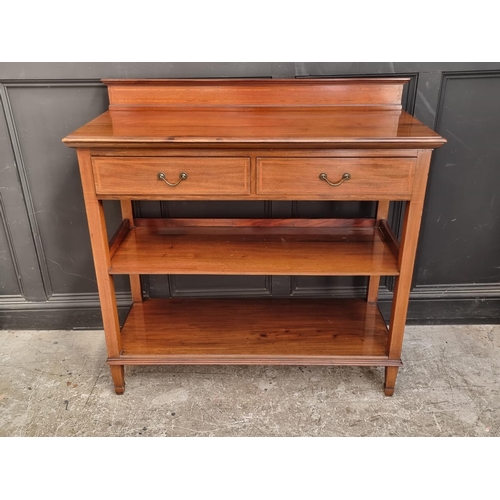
{"x": 255, "y": 140}
{"x": 118, "y": 237}
{"x": 254, "y": 251}
{"x": 100, "y": 251}
{"x": 187, "y": 222}
{"x": 380, "y": 92}
{"x": 390, "y": 237}
{"x": 135, "y": 279}
{"x": 249, "y": 331}
{"x": 118, "y": 376}
{"x": 307, "y": 128}
{"x": 381, "y": 178}
{"x": 391, "y": 372}
{"x": 138, "y": 176}
{"x": 408, "y": 249}
{"x": 127, "y": 211}
{"x": 374, "y": 281}
{"x": 206, "y": 151}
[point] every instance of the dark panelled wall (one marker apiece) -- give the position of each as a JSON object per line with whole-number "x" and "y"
{"x": 46, "y": 272}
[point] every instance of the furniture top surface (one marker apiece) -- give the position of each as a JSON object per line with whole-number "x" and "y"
{"x": 255, "y": 125}
{"x": 337, "y": 112}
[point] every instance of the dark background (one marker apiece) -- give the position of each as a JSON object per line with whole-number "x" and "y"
{"x": 46, "y": 272}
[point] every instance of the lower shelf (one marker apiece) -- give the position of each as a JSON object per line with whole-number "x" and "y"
{"x": 254, "y": 331}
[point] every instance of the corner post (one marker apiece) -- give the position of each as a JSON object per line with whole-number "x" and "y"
{"x": 408, "y": 249}
{"x": 100, "y": 251}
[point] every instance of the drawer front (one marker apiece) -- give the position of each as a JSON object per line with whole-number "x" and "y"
{"x": 139, "y": 176}
{"x": 367, "y": 178}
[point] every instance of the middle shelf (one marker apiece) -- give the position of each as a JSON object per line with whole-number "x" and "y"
{"x": 320, "y": 247}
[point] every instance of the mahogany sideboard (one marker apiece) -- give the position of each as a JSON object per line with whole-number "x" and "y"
{"x": 254, "y": 139}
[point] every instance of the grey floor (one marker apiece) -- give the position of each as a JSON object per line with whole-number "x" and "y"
{"x": 56, "y": 383}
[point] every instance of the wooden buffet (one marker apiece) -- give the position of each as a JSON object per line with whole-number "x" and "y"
{"x": 254, "y": 139}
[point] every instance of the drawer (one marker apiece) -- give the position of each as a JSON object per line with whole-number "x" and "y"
{"x": 367, "y": 178}
{"x": 139, "y": 176}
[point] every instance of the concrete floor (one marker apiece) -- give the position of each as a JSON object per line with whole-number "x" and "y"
{"x": 56, "y": 383}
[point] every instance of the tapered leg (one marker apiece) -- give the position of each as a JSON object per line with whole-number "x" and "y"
{"x": 374, "y": 281}
{"x": 391, "y": 372}
{"x": 118, "y": 374}
{"x": 408, "y": 248}
{"x": 407, "y": 252}
{"x": 100, "y": 250}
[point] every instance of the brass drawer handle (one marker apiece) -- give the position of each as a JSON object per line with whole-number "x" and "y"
{"x": 182, "y": 177}
{"x": 345, "y": 177}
